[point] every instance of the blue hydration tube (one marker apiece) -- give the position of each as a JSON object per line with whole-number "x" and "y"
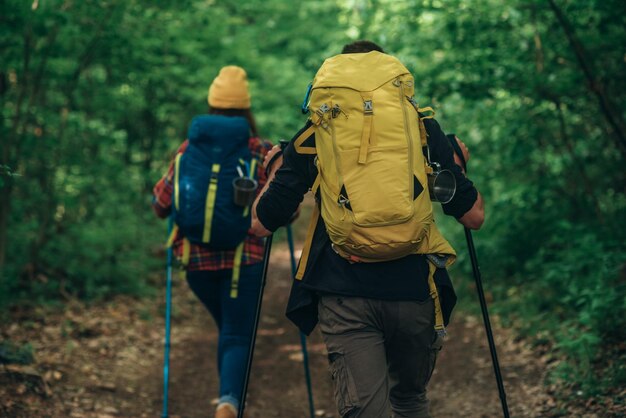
{"x": 305, "y": 102}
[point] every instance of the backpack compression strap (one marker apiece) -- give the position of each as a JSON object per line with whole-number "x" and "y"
{"x": 368, "y": 116}
{"x": 210, "y": 203}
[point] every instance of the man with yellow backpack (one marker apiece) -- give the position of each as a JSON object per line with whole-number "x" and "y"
{"x": 373, "y": 269}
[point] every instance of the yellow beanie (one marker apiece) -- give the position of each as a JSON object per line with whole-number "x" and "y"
{"x": 229, "y": 90}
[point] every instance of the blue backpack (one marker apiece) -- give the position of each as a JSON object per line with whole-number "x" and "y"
{"x": 203, "y": 206}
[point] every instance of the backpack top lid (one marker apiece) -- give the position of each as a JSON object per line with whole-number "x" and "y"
{"x": 229, "y": 131}
{"x": 359, "y": 71}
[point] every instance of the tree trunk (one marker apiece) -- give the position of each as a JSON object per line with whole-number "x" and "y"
{"x": 613, "y": 117}
{"x": 5, "y": 207}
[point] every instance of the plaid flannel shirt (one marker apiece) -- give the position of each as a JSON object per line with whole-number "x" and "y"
{"x": 201, "y": 258}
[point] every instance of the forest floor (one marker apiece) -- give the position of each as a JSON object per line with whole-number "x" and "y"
{"x": 106, "y": 360}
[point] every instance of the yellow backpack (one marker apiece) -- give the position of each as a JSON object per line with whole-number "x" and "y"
{"x": 372, "y": 171}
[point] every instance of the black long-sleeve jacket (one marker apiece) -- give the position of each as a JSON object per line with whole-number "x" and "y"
{"x": 327, "y": 272}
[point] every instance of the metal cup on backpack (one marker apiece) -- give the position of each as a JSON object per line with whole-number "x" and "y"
{"x": 441, "y": 184}
{"x": 244, "y": 189}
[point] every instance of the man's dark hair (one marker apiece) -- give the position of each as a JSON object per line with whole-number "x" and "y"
{"x": 361, "y": 47}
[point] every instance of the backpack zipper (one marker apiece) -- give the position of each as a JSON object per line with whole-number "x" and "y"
{"x": 337, "y": 156}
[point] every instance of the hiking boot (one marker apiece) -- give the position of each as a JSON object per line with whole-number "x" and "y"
{"x": 226, "y": 410}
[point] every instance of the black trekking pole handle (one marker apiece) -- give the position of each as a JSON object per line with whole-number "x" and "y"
{"x": 481, "y": 293}
{"x": 266, "y": 262}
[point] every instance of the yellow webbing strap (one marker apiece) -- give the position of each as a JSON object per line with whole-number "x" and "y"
{"x": 210, "y": 203}
{"x": 300, "y": 149}
{"x": 234, "y": 282}
{"x": 422, "y": 110}
{"x": 423, "y": 136}
{"x": 426, "y": 109}
{"x": 304, "y": 258}
{"x": 439, "y": 327}
{"x": 368, "y": 117}
{"x": 172, "y": 237}
{"x": 252, "y": 168}
{"x": 176, "y": 174}
{"x": 186, "y": 250}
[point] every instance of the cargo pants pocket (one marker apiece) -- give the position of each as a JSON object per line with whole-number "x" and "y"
{"x": 343, "y": 383}
{"x": 433, "y": 352}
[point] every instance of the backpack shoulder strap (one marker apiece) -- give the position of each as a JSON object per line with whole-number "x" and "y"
{"x": 176, "y": 178}
{"x": 298, "y": 143}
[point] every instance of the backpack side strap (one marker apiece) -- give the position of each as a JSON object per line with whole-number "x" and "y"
{"x": 304, "y": 258}
{"x": 176, "y": 177}
{"x": 440, "y": 329}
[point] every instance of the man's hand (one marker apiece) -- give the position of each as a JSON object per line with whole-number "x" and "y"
{"x": 257, "y": 228}
{"x": 277, "y": 161}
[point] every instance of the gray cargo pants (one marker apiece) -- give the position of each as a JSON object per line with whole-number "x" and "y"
{"x": 381, "y": 354}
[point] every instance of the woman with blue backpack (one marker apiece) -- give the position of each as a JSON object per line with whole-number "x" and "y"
{"x": 208, "y": 190}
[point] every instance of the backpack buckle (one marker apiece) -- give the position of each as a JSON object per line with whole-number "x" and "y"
{"x": 368, "y": 107}
{"x": 322, "y": 110}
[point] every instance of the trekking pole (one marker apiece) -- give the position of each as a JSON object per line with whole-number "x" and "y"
{"x": 266, "y": 262}
{"x": 481, "y": 294}
{"x": 483, "y": 308}
{"x": 305, "y": 353}
{"x": 168, "y": 314}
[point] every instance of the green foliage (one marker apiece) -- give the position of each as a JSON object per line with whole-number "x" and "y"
{"x": 96, "y": 95}
{"x": 11, "y": 353}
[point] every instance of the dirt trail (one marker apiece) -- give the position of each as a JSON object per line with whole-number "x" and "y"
{"x": 106, "y": 361}
{"x": 463, "y": 384}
